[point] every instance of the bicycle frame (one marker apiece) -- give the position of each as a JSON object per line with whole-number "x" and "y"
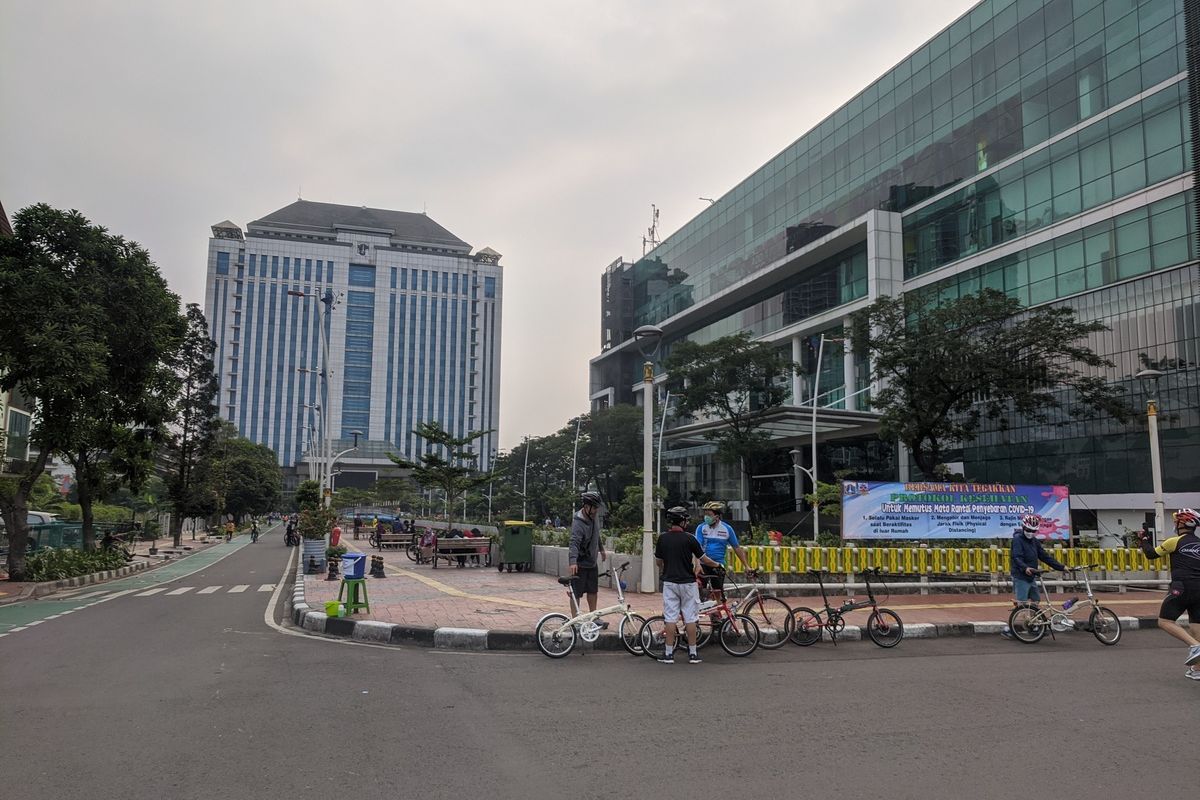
{"x": 586, "y": 622}
{"x": 1052, "y": 613}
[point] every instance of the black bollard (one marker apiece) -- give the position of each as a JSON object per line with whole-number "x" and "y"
{"x": 333, "y": 570}
{"x": 312, "y": 566}
{"x": 377, "y": 567}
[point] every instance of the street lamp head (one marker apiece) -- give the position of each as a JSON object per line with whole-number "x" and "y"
{"x": 297, "y": 293}
{"x": 356, "y": 434}
{"x": 1149, "y": 379}
{"x": 648, "y": 338}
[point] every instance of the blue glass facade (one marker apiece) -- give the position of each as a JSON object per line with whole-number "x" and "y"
{"x": 1044, "y": 149}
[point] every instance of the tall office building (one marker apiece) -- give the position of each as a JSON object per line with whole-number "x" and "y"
{"x": 414, "y": 334}
{"x": 1045, "y": 149}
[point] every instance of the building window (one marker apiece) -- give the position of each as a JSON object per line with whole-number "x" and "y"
{"x": 274, "y": 266}
{"x": 489, "y": 287}
{"x": 329, "y": 272}
{"x": 308, "y": 269}
{"x": 253, "y": 263}
{"x": 362, "y": 275}
{"x": 404, "y": 278}
{"x": 222, "y": 263}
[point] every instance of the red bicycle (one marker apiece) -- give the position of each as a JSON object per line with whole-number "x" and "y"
{"x": 737, "y": 633}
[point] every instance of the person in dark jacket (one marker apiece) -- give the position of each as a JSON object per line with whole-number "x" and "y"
{"x": 1027, "y": 553}
{"x": 586, "y": 544}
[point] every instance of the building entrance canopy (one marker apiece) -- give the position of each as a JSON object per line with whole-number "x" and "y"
{"x": 787, "y": 426}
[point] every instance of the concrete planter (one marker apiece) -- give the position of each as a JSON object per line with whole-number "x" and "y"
{"x": 555, "y": 561}
{"x": 315, "y": 548}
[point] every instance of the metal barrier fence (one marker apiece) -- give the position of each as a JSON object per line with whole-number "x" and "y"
{"x": 63, "y": 534}
{"x": 928, "y": 560}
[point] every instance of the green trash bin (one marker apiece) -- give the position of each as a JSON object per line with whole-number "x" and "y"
{"x": 516, "y": 546}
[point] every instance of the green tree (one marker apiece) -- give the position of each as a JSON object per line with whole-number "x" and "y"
{"x": 237, "y": 476}
{"x": 448, "y": 464}
{"x": 397, "y": 491}
{"x": 308, "y": 494}
{"x": 945, "y": 369}
{"x": 45, "y": 495}
{"x": 733, "y": 380}
{"x": 193, "y": 421}
{"x": 86, "y": 329}
{"x": 610, "y": 451}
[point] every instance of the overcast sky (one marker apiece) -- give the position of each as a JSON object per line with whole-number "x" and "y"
{"x": 541, "y": 129}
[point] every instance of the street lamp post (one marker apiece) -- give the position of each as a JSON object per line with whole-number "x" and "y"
{"x": 328, "y": 300}
{"x": 333, "y": 460}
{"x": 525, "y": 483}
{"x": 1149, "y": 378}
{"x": 812, "y": 472}
{"x": 662, "y": 426}
{"x": 648, "y": 338}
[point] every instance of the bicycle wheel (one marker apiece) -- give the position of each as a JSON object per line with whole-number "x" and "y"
{"x": 554, "y": 637}
{"x": 807, "y": 627}
{"x": 739, "y": 636}
{"x": 630, "y": 630}
{"x": 413, "y": 552}
{"x": 774, "y": 620}
{"x": 1106, "y": 625}
{"x": 1027, "y": 624}
{"x": 373, "y": 540}
{"x": 885, "y": 628}
{"x": 652, "y": 637}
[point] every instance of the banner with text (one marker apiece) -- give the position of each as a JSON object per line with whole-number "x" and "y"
{"x": 951, "y": 510}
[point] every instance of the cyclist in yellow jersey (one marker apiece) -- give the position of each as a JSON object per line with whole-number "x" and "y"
{"x": 1184, "y": 592}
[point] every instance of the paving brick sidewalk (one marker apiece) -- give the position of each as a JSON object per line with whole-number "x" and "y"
{"x": 482, "y": 598}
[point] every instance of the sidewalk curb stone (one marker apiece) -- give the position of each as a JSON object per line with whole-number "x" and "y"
{"x": 479, "y": 639}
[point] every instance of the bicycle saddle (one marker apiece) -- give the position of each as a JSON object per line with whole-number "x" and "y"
{"x": 567, "y": 581}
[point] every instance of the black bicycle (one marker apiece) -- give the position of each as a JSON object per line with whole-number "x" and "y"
{"x": 883, "y": 625}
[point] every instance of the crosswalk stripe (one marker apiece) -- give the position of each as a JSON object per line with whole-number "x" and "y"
{"x": 151, "y": 591}
{"x": 208, "y": 590}
{"x": 121, "y": 593}
{"x": 267, "y": 587}
{"x": 180, "y": 590}
{"x": 89, "y": 594}
{"x": 241, "y": 587}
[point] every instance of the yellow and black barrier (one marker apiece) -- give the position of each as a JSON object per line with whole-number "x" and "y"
{"x": 926, "y": 560}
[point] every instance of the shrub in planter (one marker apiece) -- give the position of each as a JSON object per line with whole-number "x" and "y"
{"x": 336, "y": 552}
{"x": 55, "y": 564}
{"x": 315, "y": 523}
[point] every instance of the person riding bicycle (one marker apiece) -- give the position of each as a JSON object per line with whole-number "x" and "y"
{"x": 715, "y": 536}
{"x": 586, "y": 543}
{"x": 1027, "y": 552}
{"x": 676, "y": 554}
{"x": 229, "y": 528}
{"x": 1184, "y": 592}
{"x": 254, "y": 531}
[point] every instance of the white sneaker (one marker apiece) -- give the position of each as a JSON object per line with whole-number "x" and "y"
{"x": 1193, "y": 655}
{"x": 1192, "y": 673}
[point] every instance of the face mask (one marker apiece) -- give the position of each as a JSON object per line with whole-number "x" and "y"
{"x": 708, "y": 520}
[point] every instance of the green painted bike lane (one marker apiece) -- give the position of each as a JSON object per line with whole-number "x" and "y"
{"x": 18, "y": 616}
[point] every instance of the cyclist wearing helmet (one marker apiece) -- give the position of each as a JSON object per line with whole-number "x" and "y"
{"x": 1184, "y": 592}
{"x": 676, "y": 553}
{"x": 715, "y": 536}
{"x": 1027, "y": 552}
{"x": 585, "y": 545}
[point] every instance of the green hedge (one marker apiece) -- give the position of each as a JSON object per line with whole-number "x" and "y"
{"x": 55, "y": 564}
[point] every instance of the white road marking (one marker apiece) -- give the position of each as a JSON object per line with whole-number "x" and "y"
{"x": 208, "y": 590}
{"x": 180, "y": 590}
{"x": 89, "y": 594}
{"x": 151, "y": 591}
{"x": 35, "y": 622}
{"x": 241, "y": 587}
{"x": 14, "y": 630}
{"x": 267, "y": 587}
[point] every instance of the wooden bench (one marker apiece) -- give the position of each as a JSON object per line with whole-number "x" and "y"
{"x": 390, "y": 539}
{"x": 453, "y": 549}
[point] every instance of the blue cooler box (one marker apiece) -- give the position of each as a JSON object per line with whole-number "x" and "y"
{"x": 353, "y": 565}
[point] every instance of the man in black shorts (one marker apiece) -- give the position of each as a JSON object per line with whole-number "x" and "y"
{"x": 676, "y": 554}
{"x": 1184, "y": 592}
{"x": 586, "y": 544}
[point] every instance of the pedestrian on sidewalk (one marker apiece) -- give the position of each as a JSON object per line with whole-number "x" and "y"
{"x": 679, "y": 556}
{"x": 1184, "y": 592}
{"x": 357, "y": 525}
{"x": 229, "y": 528}
{"x": 585, "y": 545}
{"x": 1027, "y": 552}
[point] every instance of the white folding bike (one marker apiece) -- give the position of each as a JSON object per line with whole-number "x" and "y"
{"x": 557, "y": 635}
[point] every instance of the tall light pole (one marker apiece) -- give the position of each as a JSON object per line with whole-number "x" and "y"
{"x": 328, "y": 300}
{"x": 648, "y": 338}
{"x": 525, "y": 482}
{"x": 1149, "y": 379}
{"x": 662, "y": 426}
{"x": 575, "y": 454}
{"x": 812, "y": 473}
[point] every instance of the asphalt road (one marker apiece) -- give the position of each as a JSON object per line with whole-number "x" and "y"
{"x": 195, "y": 696}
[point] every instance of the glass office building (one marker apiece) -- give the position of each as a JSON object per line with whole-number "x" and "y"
{"x": 1044, "y": 149}
{"x": 414, "y": 335}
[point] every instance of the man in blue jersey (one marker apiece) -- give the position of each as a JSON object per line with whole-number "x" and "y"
{"x": 715, "y": 536}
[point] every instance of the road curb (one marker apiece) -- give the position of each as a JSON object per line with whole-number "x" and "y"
{"x": 50, "y": 587}
{"x": 315, "y": 621}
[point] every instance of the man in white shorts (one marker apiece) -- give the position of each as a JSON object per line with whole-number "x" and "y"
{"x": 675, "y": 555}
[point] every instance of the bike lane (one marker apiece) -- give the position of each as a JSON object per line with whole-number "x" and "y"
{"x": 16, "y": 617}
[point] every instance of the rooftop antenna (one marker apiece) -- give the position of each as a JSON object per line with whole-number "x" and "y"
{"x": 299, "y": 192}
{"x": 651, "y": 240}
